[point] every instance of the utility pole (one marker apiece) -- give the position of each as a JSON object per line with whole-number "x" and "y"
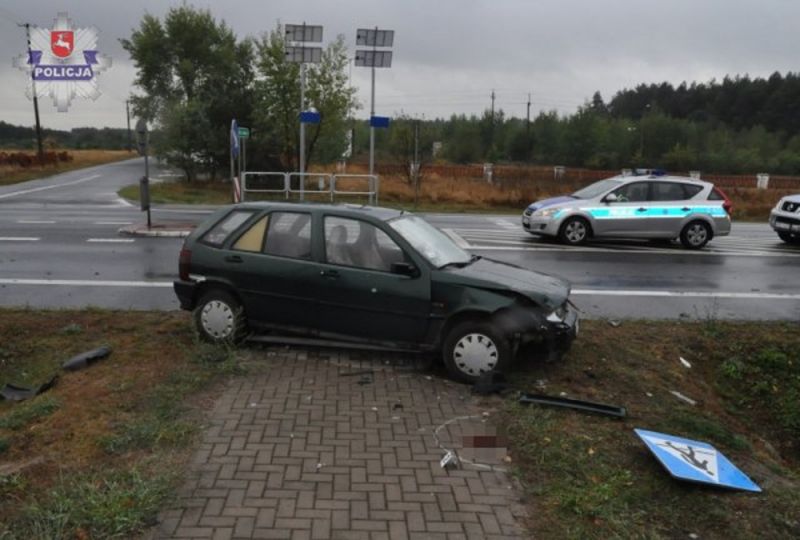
{"x": 128, "y": 114}
{"x": 528, "y": 130}
{"x": 416, "y": 162}
{"x": 33, "y": 91}
{"x": 491, "y": 126}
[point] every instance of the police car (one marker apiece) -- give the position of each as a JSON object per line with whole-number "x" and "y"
{"x": 651, "y": 206}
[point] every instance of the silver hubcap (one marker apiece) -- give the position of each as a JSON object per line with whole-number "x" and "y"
{"x": 475, "y": 354}
{"x": 575, "y": 231}
{"x": 217, "y": 319}
{"x": 696, "y": 235}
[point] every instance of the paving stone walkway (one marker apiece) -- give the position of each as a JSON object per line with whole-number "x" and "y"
{"x": 325, "y": 445}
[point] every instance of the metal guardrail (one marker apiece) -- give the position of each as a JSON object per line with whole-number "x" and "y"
{"x": 293, "y": 183}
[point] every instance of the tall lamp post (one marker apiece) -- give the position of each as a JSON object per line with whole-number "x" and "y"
{"x": 373, "y": 58}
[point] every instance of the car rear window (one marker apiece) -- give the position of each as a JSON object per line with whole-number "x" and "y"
{"x": 220, "y": 232}
{"x": 692, "y": 190}
{"x": 289, "y": 235}
{"x": 253, "y": 238}
{"x": 667, "y": 191}
{"x": 715, "y": 195}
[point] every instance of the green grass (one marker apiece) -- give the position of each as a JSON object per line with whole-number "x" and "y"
{"x": 100, "y": 505}
{"x": 27, "y": 412}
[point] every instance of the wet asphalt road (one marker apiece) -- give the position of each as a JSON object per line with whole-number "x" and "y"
{"x": 59, "y": 247}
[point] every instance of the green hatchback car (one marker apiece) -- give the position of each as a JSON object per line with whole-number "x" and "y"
{"x": 365, "y": 277}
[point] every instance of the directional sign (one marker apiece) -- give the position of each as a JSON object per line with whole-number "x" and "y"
{"x": 310, "y": 117}
{"x": 379, "y": 121}
{"x": 695, "y": 461}
{"x": 244, "y": 133}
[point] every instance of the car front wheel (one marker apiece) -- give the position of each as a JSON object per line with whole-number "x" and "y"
{"x": 789, "y": 238}
{"x": 574, "y": 231}
{"x": 695, "y": 235}
{"x": 473, "y": 348}
{"x": 220, "y": 318}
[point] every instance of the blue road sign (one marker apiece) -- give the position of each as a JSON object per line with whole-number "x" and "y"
{"x": 695, "y": 461}
{"x": 379, "y": 121}
{"x": 309, "y": 117}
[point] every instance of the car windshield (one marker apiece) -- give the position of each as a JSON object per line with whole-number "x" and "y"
{"x": 593, "y": 190}
{"x": 429, "y": 241}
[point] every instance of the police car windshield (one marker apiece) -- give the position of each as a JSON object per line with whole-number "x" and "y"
{"x": 598, "y": 188}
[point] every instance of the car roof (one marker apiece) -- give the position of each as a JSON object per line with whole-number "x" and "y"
{"x": 355, "y": 210}
{"x": 662, "y": 178}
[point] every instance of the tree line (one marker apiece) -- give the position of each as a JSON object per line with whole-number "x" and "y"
{"x": 24, "y": 138}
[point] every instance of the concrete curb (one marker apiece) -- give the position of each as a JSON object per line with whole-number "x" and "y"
{"x": 156, "y": 231}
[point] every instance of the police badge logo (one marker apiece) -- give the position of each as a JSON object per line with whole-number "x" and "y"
{"x": 63, "y": 62}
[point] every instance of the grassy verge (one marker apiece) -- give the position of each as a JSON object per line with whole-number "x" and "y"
{"x": 98, "y": 455}
{"x": 439, "y": 195}
{"x": 81, "y": 159}
{"x": 591, "y": 477}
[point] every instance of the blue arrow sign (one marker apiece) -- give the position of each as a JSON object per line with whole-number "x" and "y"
{"x": 379, "y": 121}
{"x": 310, "y": 117}
{"x": 695, "y": 461}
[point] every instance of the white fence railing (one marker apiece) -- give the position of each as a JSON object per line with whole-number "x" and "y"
{"x": 300, "y": 184}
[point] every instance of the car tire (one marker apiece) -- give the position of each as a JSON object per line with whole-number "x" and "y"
{"x": 473, "y": 348}
{"x": 696, "y": 234}
{"x": 574, "y": 231}
{"x": 220, "y": 318}
{"x": 789, "y": 238}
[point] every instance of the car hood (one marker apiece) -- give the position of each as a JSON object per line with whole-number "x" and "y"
{"x": 792, "y": 198}
{"x": 544, "y": 203}
{"x": 545, "y": 290}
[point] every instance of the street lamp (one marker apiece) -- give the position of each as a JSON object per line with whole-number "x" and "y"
{"x": 300, "y": 54}
{"x": 373, "y": 58}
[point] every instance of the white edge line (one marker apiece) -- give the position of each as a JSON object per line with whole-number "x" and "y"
{"x": 460, "y": 242}
{"x": 649, "y": 251}
{"x": 19, "y": 239}
{"x": 122, "y": 202}
{"x": 43, "y": 188}
{"x": 686, "y": 294}
{"x": 34, "y": 221}
{"x": 112, "y": 240}
{"x": 113, "y": 222}
{"x": 84, "y": 283}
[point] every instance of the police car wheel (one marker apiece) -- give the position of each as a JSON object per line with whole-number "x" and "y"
{"x": 695, "y": 235}
{"x": 574, "y": 231}
{"x": 789, "y": 238}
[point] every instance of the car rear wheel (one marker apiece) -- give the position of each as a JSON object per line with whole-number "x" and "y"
{"x": 789, "y": 238}
{"x": 574, "y": 231}
{"x": 220, "y": 318}
{"x": 695, "y": 235}
{"x": 473, "y": 348}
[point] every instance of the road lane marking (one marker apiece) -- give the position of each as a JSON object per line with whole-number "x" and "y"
{"x": 84, "y": 283}
{"x": 642, "y": 251}
{"x": 687, "y": 294}
{"x": 460, "y": 242}
{"x": 43, "y": 188}
{"x": 112, "y": 240}
{"x": 113, "y": 222}
{"x": 122, "y": 202}
{"x": 19, "y": 239}
{"x": 34, "y": 221}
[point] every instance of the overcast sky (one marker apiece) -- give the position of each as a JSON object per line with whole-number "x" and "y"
{"x": 450, "y": 54}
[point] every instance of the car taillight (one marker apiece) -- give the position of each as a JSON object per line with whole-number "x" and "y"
{"x": 184, "y": 262}
{"x": 728, "y": 204}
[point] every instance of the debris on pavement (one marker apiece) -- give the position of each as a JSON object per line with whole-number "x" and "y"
{"x": 86, "y": 359}
{"x": 12, "y": 392}
{"x": 680, "y": 396}
{"x": 449, "y": 460}
{"x": 576, "y": 404}
{"x": 685, "y": 362}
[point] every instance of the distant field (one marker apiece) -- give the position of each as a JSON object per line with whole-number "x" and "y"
{"x": 455, "y": 189}
{"x": 14, "y": 174}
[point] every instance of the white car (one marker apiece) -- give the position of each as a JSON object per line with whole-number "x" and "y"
{"x": 785, "y": 219}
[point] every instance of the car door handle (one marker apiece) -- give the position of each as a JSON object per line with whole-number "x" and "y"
{"x": 685, "y": 209}
{"x": 233, "y": 259}
{"x": 641, "y": 209}
{"x": 330, "y": 274}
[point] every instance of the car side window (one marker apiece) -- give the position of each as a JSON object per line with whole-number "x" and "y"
{"x": 351, "y": 242}
{"x": 667, "y": 191}
{"x": 691, "y": 190}
{"x": 633, "y": 192}
{"x": 289, "y": 235}
{"x": 253, "y": 238}
{"x": 219, "y": 232}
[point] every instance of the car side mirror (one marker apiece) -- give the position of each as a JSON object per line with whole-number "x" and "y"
{"x": 611, "y": 197}
{"x": 404, "y": 269}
